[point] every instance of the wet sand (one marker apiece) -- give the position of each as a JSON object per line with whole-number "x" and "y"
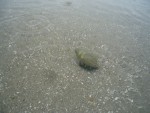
{"x": 38, "y": 68}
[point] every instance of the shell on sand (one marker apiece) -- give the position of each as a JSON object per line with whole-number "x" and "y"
{"x": 86, "y": 59}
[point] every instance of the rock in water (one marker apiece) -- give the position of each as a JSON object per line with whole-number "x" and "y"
{"x": 86, "y": 59}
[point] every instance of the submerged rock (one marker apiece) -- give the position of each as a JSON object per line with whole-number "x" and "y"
{"x": 86, "y": 60}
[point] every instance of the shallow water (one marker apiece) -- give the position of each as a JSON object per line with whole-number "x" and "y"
{"x": 38, "y": 68}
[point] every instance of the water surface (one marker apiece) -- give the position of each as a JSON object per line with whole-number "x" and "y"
{"x": 38, "y": 68}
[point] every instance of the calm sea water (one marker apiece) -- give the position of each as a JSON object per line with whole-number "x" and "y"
{"x": 38, "y": 68}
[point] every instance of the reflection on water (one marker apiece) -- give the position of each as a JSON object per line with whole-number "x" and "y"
{"x": 38, "y": 68}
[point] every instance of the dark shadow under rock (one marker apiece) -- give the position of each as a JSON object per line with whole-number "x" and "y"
{"x": 88, "y": 68}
